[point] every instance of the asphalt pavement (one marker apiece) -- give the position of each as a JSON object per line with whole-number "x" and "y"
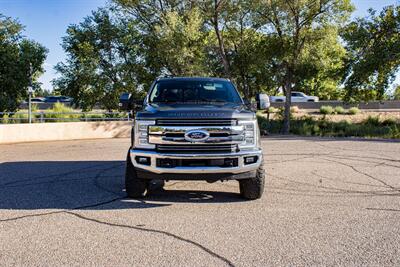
{"x": 326, "y": 202}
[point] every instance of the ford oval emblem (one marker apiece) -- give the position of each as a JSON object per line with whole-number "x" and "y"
{"x": 196, "y": 135}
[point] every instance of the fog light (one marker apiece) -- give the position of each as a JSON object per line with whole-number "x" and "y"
{"x": 250, "y": 160}
{"x": 143, "y": 160}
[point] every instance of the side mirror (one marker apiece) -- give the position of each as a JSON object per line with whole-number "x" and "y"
{"x": 125, "y": 101}
{"x": 263, "y": 101}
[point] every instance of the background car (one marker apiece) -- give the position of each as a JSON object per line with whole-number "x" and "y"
{"x": 35, "y": 100}
{"x": 296, "y": 97}
{"x": 61, "y": 99}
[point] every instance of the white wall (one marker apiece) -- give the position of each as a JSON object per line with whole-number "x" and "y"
{"x": 16, "y": 133}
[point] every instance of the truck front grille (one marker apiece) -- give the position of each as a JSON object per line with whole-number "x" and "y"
{"x": 169, "y": 135}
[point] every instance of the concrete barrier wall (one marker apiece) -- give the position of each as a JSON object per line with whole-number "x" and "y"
{"x": 15, "y": 133}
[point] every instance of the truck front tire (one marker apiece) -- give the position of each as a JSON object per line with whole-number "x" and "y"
{"x": 135, "y": 187}
{"x": 253, "y": 188}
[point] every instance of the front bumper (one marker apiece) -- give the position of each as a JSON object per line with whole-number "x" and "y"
{"x": 197, "y": 172}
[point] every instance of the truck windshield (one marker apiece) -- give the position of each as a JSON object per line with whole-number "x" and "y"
{"x": 194, "y": 91}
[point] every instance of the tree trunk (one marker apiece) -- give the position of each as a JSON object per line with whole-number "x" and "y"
{"x": 288, "y": 103}
{"x": 221, "y": 45}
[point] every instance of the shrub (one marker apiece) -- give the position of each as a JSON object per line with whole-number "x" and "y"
{"x": 294, "y": 109}
{"x": 5, "y": 119}
{"x": 326, "y": 110}
{"x": 273, "y": 110}
{"x": 340, "y": 110}
{"x": 94, "y": 116}
{"x": 389, "y": 122}
{"x": 271, "y": 126}
{"x": 56, "y": 115}
{"x": 374, "y": 121}
{"x": 280, "y": 115}
{"x": 354, "y": 111}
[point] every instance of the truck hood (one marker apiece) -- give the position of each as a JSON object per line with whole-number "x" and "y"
{"x": 195, "y": 111}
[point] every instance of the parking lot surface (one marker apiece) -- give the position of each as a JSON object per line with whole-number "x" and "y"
{"x": 326, "y": 202}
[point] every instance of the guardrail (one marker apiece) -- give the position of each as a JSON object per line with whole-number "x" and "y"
{"x": 44, "y": 116}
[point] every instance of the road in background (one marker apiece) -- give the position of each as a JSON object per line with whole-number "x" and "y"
{"x": 326, "y": 203}
{"x": 383, "y": 106}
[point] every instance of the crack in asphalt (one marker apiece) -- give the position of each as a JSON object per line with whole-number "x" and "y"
{"x": 52, "y": 175}
{"x": 75, "y": 208}
{"x": 336, "y": 189}
{"x": 383, "y": 209}
{"x": 97, "y": 184}
{"x": 364, "y": 173}
{"x": 362, "y": 159}
{"x": 357, "y": 150}
{"x": 200, "y": 246}
{"x": 345, "y": 182}
{"x": 68, "y": 211}
{"x": 61, "y": 211}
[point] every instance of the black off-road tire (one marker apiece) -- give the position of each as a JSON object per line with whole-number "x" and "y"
{"x": 135, "y": 187}
{"x": 253, "y": 188}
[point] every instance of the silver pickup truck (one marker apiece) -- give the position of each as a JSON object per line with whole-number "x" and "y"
{"x": 194, "y": 129}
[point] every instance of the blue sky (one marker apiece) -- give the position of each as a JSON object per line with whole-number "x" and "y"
{"x": 46, "y": 21}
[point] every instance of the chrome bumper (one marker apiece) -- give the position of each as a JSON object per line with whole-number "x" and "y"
{"x": 241, "y": 168}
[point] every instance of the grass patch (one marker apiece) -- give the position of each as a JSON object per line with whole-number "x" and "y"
{"x": 55, "y": 114}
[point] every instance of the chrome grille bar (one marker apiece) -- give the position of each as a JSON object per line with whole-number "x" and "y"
{"x": 159, "y": 139}
{"x": 163, "y": 130}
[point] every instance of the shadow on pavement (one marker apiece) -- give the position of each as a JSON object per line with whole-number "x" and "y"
{"x": 95, "y": 185}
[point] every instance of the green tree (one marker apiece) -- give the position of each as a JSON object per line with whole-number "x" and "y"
{"x": 293, "y": 23}
{"x": 396, "y": 93}
{"x": 173, "y": 35}
{"x": 322, "y": 65}
{"x": 373, "y": 54}
{"x": 103, "y": 61}
{"x": 17, "y": 56}
{"x": 261, "y": 45}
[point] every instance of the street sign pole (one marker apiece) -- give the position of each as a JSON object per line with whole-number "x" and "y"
{"x": 30, "y": 105}
{"x": 30, "y": 91}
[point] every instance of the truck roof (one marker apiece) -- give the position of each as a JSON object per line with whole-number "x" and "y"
{"x": 210, "y": 79}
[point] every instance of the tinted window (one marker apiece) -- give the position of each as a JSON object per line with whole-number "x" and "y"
{"x": 194, "y": 91}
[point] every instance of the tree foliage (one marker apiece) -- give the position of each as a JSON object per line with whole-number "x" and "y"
{"x": 296, "y": 26}
{"x": 396, "y": 93}
{"x": 261, "y": 45}
{"x": 19, "y": 58}
{"x": 373, "y": 51}
{"x": 103, "y": 61}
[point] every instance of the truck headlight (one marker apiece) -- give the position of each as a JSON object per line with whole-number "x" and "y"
{"x": 142, "y": 134}
{"x": 250, "y": 134}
